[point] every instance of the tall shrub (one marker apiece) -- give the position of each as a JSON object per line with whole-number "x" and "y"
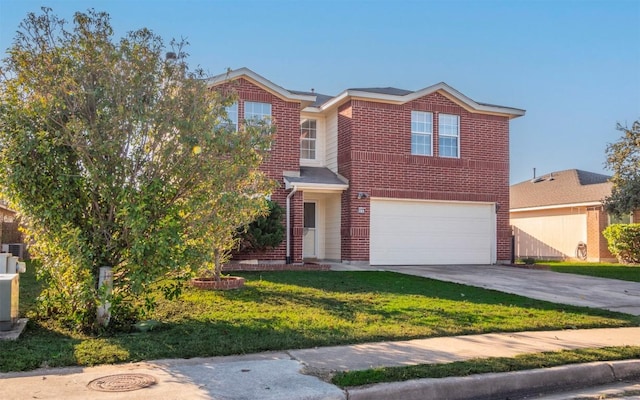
{"x": 624, "y": 242}
{"x": 264, "y": 232}
{"x": 118, "y": 157}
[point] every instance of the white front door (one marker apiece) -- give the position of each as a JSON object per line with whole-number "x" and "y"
{"x": 309, "y": 243}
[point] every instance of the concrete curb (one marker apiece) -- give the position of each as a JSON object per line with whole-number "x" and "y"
{"x": 501, "y": 385}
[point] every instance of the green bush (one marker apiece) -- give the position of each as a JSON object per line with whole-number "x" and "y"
{"x": 624, "y": 242}
{"x": 265, "y": 232}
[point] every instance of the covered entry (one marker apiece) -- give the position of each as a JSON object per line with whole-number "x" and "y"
{"x": 321, "y": 190}
{"x": 414, "y": 232}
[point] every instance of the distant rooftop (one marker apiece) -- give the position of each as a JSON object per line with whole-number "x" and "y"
{"x": 572, "y": 186}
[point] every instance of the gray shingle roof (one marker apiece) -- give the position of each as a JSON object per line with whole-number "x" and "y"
{"x": 316, "y": 175}
{"x": 320, "y": 98}
{"x": 572, "y": 186}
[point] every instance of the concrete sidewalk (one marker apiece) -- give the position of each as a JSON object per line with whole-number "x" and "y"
{"x": 294, "y": 374}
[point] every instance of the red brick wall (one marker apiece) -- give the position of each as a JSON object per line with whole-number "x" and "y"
{"x": 597, "y": 246}
{"x": 283, "y": 156}
{"x": 375, "y": 155}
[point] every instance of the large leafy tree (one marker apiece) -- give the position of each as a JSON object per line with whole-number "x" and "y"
{"x": 119, "y": 156}
{"x": 623, "y": 158}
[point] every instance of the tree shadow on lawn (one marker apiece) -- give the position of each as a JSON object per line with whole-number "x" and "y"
{"x": 37, "y": 347}
{"x": 193, "y": 338}
{"x": 394, "y": 284}
{"x": 40, "y": 347}
{"x": 373, "y": 306}
{"x": 361, "y": 307}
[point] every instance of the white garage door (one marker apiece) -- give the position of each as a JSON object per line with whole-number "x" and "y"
{"x": 423, "y": 232}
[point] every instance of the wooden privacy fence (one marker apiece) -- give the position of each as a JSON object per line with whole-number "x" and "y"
{"x": 10, "y": 232}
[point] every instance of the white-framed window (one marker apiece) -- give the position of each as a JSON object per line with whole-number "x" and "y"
{"x": 308, "y": 134}
{"x": 232, "y": 116}
{"x": 421, "y": 133}
{"x": 449, "y": 135}
{"x": 254, "y": 111}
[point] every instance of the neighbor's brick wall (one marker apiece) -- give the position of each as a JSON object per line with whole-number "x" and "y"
{"x": 283, "y": 156}
{"x": 375, "y": 155}
{"x": 597, "y": 246}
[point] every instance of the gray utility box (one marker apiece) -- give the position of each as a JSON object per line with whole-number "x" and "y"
{"x": 9, "y": 297}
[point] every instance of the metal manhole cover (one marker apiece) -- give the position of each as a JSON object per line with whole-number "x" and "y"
{"x": 122, "y": 382}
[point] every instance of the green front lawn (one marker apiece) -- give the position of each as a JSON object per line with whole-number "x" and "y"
{"x": 601, "y": 270}
{"x": 287, "y": 310}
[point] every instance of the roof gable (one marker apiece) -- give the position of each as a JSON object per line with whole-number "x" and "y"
{"x": 317, "y": 102}
{"x": 401, "y": 96}
{"x": 231, "y": 75}
{"x": 570, "y": 187}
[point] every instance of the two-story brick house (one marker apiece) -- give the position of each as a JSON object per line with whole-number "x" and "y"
{"x": 384, "y": 175}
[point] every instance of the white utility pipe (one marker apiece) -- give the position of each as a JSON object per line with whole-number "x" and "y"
{"x": 289, "y": 196}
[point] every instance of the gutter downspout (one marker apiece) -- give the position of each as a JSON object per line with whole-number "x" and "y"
{"x": 289, "y": 196}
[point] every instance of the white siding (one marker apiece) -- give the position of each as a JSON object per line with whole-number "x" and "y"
{"x": 549, "y": 234}
{"x": 321, "y": 140}
{"x": 331, "y": 129}
{"x": 332, "y": 225}
{"x": 423, "y": 232}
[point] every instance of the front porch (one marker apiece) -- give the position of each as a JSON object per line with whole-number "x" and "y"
{"x": 321, "y": 192}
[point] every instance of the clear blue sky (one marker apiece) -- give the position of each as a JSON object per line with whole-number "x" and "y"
{"x": 573, "y": 65}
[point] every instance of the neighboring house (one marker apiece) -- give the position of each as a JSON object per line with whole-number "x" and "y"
{"x": 553, "y": 214}
{"x": 383, "y": 175}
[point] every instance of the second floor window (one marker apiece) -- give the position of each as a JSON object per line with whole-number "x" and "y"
{"x": 421, "y": 133}
{"x": 449, "y": 135}
{"x": 232, "y": 116}
{"x": 254, "y": 111}
{"x": 308, "y": 139}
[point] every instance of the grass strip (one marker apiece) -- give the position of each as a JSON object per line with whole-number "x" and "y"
{"x": 484, "y": 365}
{"x": 611, "y": 271}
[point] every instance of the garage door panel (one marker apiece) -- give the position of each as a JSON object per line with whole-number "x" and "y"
{"x": 418, "y": 232}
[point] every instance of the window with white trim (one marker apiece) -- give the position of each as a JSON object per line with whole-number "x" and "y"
{"x": 449, "y": 135}
{"x": 232, "y": 117}
{"x": 308, "y": 131}
{"x": 421, "y": 133}
{"x": 254, "y": 111}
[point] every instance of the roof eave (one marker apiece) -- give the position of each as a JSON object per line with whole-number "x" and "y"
{"x": 279, "y": 91}
{"x": 316, "y": 186}
{"x": 556, "y": 206}
{"x": 449, "y": 92}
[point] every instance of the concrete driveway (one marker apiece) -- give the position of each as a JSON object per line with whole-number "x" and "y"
{"x": 579, "y": 290}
